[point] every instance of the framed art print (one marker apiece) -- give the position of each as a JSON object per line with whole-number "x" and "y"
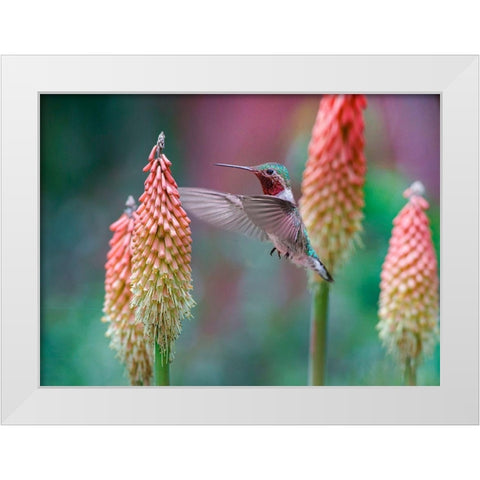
{"x": 240, "y": 239}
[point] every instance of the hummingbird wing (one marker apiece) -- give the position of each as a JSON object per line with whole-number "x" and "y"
{"x": 276, "y": 216}
{"x": 254, "y": 216}
{"x": 223, "y": 210}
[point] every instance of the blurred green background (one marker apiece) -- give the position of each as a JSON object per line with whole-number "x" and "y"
{"x": 251, "y": 322}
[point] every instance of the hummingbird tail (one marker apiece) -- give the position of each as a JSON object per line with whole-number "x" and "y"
{"x": 320, "y": 268}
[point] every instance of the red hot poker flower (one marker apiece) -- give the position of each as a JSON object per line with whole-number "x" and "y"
{"x": 409, "y": 284}
{"x": 161, "y": 272}
{"x": 332, "y": 187}
{"x": 127, "y": 336}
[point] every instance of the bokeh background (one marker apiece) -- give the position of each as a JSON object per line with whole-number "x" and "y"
{"x": 251, "y": 322}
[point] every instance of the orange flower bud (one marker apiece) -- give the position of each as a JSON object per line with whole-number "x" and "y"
{"x": 332, "y": 187}
{"x": 126, "y": 335}
{"x": 161, "y": 272}
{"x": 409, "y": 295}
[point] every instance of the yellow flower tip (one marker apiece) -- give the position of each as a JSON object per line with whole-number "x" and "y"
{"x": 161, "y": 274}
{"x": 126, "y": 336}
{"x": 332, "y": 186}
{"x": 408, "y": 307}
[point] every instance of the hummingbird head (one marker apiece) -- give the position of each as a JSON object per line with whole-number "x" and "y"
{"x": 273, "y": 176}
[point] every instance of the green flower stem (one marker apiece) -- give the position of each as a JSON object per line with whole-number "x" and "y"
{"x": 318, "y": 333}
{"x": 162, "y": 366}
{"x": 410, "y": 372}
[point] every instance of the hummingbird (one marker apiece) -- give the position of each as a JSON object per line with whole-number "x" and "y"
{"x": 273, "y": 216}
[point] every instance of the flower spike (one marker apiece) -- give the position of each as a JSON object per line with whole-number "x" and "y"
{"x": 161, "y": 272}
{"x": 332, "y": 187}
{"x": 409, "y": 296}
{"x": 126, "y": 336}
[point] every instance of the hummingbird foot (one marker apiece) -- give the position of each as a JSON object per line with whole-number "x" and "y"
{"x": 287, "y": 255}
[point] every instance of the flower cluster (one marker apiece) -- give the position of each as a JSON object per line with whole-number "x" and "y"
{"x": 409, "y": 295}
{"x": 161, "y": 273}
{"x": 332, "y": 187}
{"x": 126, "y": 335}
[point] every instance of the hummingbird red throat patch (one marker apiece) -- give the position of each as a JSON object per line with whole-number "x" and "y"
{"x": 269, "y": 185}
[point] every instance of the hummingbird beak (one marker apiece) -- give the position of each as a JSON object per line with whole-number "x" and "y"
{"x": 250, "y": 169}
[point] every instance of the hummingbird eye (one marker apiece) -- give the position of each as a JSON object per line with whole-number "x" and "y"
{"x": 269, "y": 171}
